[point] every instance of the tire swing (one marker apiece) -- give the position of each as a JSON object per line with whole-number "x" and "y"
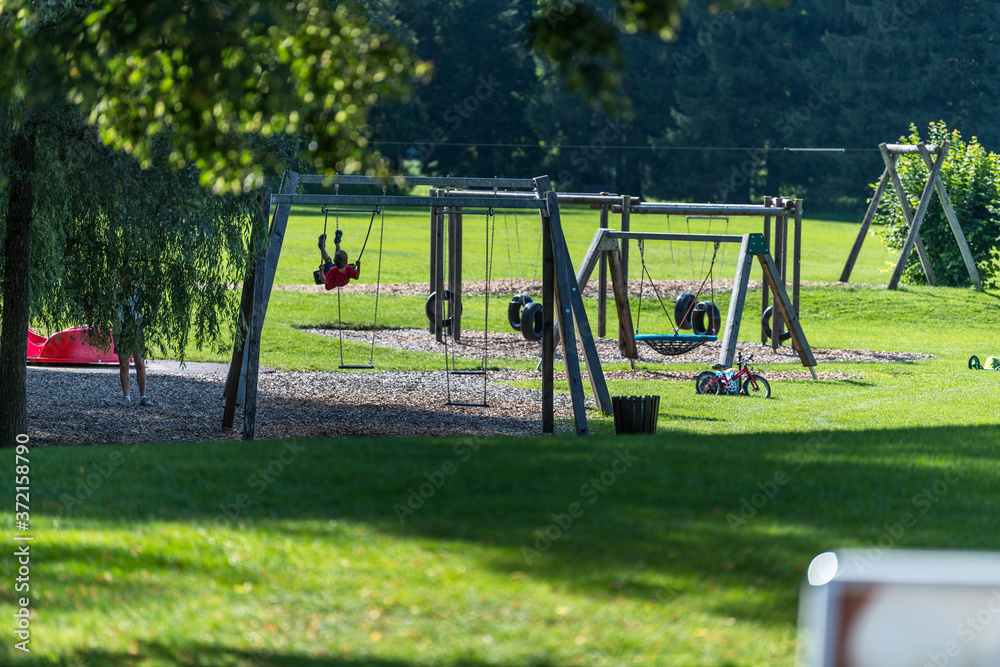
{"x": 514, "y": 308}
{"x": 523, "y": 313}
{"x": 765, "y": 325}
{"x": 430, "y": 304}
{"x": 532, "y": 322}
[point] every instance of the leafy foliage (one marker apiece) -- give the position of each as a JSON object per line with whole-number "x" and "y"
{"x": 971, "y": 176}
{"x": 213, "y": 73}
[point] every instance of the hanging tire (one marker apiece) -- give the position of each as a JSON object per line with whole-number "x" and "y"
{"x": 705, "y": 319}
{"x": 682, "y": 310}
{"x": 765, "y": 325}
{"x": 429, "y": 306}
{"x": 974, "y": 364}
{"x": 763, "y": 389}
{"x": 532, "y": 321}
{"x": 514, "y": 310}
{"x": 702, "y": 382}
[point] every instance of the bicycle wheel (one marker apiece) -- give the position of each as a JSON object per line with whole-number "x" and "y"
{"x": 974, "y": 364}
{"x": 710, "y": 384}
{"x": 702, "y": 381}
{"x": 763, "y": 389}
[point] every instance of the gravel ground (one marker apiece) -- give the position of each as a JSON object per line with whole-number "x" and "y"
{"x": 81, "y": 405}
{"x": 513, "y": 346}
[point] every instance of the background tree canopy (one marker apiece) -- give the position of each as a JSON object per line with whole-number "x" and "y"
{"x": 707, "y": 115}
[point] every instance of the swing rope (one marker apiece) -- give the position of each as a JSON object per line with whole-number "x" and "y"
{"x": 378, "y": 280}
{"x": 451, "y": 367}
{"x": 676, "y": 344}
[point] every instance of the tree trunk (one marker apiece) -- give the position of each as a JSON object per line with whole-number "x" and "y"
{"x": 17, "y": 263}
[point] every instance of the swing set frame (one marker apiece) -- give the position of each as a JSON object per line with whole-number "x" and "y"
{"x": 562, "y": 301}
{"x": 606, "y": 243}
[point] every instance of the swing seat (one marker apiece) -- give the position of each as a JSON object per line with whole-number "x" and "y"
{"x": 674, "y": 345}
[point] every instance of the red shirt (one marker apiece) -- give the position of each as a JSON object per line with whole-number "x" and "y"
{"x": 334, "y": 278}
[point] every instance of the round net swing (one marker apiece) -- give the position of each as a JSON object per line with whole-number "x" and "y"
{"x": 689, "y": 313}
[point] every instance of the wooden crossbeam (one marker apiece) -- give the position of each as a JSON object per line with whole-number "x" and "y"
{"x": 405, "y": 200}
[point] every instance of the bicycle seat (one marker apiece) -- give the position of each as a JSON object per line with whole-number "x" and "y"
{"x": 718, "y": 367}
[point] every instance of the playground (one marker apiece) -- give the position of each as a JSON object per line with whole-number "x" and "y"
{"x": 303, "y": 393}
{"x": 368, "y": 491}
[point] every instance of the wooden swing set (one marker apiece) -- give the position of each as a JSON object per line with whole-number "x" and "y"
{"x": 562, "y": 300}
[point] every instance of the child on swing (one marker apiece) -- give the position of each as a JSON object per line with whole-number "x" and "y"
{"x": 337, "y": 271}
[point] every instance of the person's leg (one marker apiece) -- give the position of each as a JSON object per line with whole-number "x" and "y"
{"x": 123, "y": 373}
{"x": 140, "y": 372}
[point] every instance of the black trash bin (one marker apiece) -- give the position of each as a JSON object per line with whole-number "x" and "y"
{"x": 635, "y": 414}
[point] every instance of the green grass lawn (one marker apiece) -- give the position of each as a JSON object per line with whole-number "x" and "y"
{"x": 540, "y": 551}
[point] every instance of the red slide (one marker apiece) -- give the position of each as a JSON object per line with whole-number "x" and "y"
{"x": 67, "y": 347}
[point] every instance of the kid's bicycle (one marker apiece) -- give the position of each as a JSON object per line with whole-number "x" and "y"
{"x": 720, "y": 381}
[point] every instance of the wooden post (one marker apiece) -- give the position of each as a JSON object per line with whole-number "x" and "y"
{"x": 572, "y": 300}
{"x": 765, "y": 296}
{"x": 439, "y": 278}
{"x": 253, "y": 349}
{"x": 904, "y": 204}
{"x": 245, "y": 314}
{"x": 797, "y": 256}
{"x": 435, "y": 267}
{"x": 949, "y": 213}
{"x": 602, "y": 285}
{"x": 626, "y": 224}
{"x": 619, "y": 286}
{"x": 737, "y": 300}
{"x": 865, "y": 225}
{"x": 918, "y": 218}
{"x": 542, "y": 187}
{"x": 781, "y": 255}
{"x": 455, "y": 272}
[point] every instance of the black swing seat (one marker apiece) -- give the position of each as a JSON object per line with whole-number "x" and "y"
{"x": 673, "y": 345}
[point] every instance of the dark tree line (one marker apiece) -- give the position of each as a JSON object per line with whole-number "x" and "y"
{"x": 842, "y": 74}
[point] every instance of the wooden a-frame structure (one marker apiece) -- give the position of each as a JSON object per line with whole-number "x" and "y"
{"x": 605, "y": 244}
{"x": 890, "y": 152}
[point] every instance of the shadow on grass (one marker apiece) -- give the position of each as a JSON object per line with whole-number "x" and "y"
{"x": 195, "y": 655}
{"x": 648, "y": 517}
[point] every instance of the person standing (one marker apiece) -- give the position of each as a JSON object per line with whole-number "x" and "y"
{"x": 134, "y": 350}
